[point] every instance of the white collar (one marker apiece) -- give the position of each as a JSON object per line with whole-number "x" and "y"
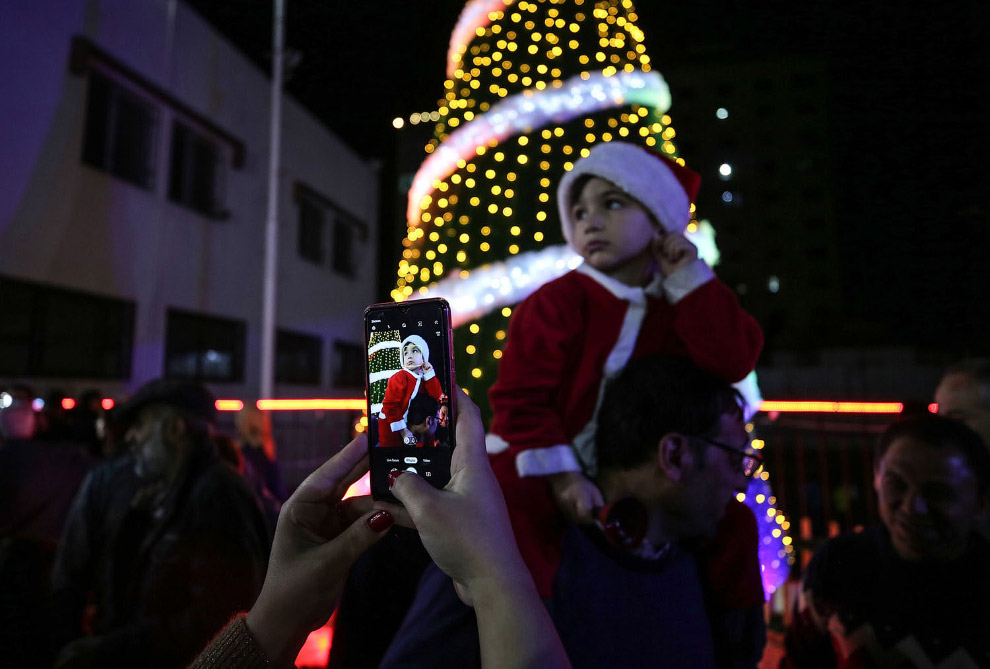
{"x": 634, "y": 294}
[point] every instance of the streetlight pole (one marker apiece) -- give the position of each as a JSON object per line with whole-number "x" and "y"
{"x": 271, "y": 221}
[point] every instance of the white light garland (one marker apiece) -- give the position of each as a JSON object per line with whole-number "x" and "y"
{"x": 510, "y": 281}
{"x": 502, "y": 283}
{"x": 526, "y": 111}
{"x": 474, "y": 15}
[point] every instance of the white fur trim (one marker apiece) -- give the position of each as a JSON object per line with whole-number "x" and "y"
{"x": 686, "y": 279}
{"x": 638, "y": 173}
{"x": 495, "y": 444}
{"x": 397, "y": 425}
{"x": 614, "y": 286}
{"x": 618, "y": 357}
{"x": 546, "y": 461}
{"x": 429, "y": 375}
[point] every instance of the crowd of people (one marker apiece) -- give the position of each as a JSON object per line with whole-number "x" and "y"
{"x": 594, "y": 525}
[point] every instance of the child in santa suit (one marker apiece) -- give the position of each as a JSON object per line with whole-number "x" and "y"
{"x": 416, "y": 376}
{"x": 642, "y": 290}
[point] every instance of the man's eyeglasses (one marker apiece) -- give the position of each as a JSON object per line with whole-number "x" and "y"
{"x": 750, "y": 461}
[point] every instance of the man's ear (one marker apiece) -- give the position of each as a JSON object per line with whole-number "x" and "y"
{"x": 175, "y": 429}
{"x": 675, "y": 456}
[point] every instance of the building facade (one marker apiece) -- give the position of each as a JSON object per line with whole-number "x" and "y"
{"x": 133, "y": 195}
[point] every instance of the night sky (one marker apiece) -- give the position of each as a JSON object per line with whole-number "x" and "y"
{"x": 907, "y": 118}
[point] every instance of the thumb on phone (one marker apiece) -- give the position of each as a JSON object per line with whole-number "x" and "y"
{"x": 414, "y": 493}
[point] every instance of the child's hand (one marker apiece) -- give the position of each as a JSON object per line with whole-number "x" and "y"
{"x": 673, "y": 251}
{"x": 426, "y": 367}
{"x": 575, "y": 496}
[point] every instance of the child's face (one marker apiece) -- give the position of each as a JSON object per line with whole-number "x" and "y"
{"x": 412, "y": 357}
{"x": 612, "y": 231}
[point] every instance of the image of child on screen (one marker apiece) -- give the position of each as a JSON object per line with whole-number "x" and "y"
{"x": 417, "y": 376}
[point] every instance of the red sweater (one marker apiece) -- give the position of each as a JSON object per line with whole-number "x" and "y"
{"x": 564, "y": 340}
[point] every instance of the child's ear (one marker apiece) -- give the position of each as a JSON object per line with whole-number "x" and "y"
{"x": 675, "y": 456}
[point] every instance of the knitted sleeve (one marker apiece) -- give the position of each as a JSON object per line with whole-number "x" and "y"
{"x": 233, "y": 647}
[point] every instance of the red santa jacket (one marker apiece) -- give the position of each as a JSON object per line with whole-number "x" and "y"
{"x": 401, "y": 388}
{"x": 564, "y": 341}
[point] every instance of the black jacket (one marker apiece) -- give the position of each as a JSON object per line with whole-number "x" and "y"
{"x": 164, "y": 580}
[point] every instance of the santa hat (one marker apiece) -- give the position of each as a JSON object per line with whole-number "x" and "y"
{"x": 665, "y": 188}
{"x": 419, "y": 343}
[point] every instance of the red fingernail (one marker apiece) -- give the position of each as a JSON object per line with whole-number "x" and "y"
{"x": 381, "y": 521}
{"x": 394, "y": 475}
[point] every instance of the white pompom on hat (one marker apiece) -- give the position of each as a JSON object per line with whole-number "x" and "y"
{"x": 665, "y": 188}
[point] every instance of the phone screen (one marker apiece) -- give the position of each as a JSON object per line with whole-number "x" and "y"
{"x": 409, "y": 384}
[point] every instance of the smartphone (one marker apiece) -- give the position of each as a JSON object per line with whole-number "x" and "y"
{"x": 409, "y": 382}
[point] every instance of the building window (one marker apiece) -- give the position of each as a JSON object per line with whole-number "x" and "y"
{"x": 310, "y": 231}
{"x": 348, "y": 365}
{"x": 204, "y": 348}
{"x": 54, "y": 332}
{"x": 120, "y": 132}
{"x": 298, "y": 358}
{"x": 196, "y": 171}
{"x": 343, "y": 245}
{"x": 318, "y": 213}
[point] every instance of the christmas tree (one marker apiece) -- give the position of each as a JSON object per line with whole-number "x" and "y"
{"x": 383, "y": 362}
{"x": 531, "y": 86}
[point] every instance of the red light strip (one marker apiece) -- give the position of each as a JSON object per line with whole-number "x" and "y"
{"x": 830, "y": 407}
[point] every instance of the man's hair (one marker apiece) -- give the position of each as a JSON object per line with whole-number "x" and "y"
{"x": 941, "y": 433}
{"x": 979, "y": 369}
{"x": 420, "y": 408}
{"x": 655, "y": 396}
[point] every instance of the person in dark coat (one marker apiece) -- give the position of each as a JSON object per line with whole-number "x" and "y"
{"x": 167, "y": 541}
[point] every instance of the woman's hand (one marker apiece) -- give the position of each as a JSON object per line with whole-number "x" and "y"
{"x": 317, "y": 540}
{"x": 465, "y": 527}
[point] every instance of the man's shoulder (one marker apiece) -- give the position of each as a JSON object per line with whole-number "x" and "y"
{"x": 217, "y": 480}
{"x": 115, "y": 473}
{"x": 850, "y": 561}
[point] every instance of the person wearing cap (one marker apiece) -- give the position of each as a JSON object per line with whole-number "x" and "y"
{"x": 167, "y": 540}
{"x": 641, "y": 290}
{"x": 416, "y": 376}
